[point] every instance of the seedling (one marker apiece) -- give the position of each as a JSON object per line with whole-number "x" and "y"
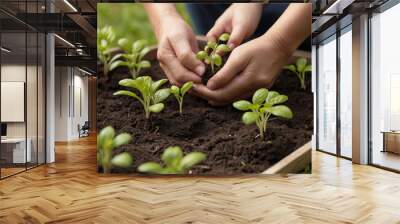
{"x": 175, "y": 162}
{"x": 179, "y": 93}
{"x": 106, "y": 142}
{"x": 152, "y": 96}
{"x": 213, "y": 51}
{"x": 133, "y": 56}
{"x": 300, "y": 69}
{"x": 105, "y": 38}
{"x": 264, "y": 104}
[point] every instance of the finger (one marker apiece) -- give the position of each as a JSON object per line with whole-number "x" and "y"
{"x": 183, "y": 50}
{"x": 233, "y": 66}
{"x": 237, "y": 36}
{"x": 179, "y": 72}
{"x": 170, "y": 77}
{"x": 220, "y": 27}
{"x": 238, "y": 87}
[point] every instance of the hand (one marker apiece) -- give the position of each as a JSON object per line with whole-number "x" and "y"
{"x": 176, "y": 51}
{"x": 240, "y": 20}
{"x": 250, "y": 66}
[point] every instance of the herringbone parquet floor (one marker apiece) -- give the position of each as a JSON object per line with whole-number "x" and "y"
{"x": 70, "y": 191}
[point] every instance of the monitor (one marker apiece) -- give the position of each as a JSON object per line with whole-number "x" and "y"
{"x": 3, "y": 129}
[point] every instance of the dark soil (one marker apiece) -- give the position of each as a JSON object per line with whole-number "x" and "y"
{"x": 231, "y": 146}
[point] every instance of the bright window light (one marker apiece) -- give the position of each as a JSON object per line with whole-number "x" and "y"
{"x": 70, "y": 5}
{"x": 5, "y": 50}
{"x": 64, "y": 40}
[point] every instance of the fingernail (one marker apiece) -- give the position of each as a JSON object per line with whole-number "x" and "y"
{"x": 200, "y": 69}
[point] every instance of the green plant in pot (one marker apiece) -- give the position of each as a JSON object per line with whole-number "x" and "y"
{"x": 133, "y": 56}
{"x": 151, "y": 95}
{"x": 300, "y": 68}
{"x": 264, "y": 104}
{"x": 175, "y": 162}
{"x": 179, "y": 93}
{"x": 213, "y": 51}
{"x": 106, "y": 143}
{"x": 105, "y": 39}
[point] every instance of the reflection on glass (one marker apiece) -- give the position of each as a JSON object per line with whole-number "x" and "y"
{"x": 15, "y": 150}
{"x": 327, "y": 96}
{"x": 346, "y": 94}
{"x": 385, "y": 88}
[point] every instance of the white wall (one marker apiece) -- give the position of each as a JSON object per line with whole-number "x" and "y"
{"x": 70, "y": 83}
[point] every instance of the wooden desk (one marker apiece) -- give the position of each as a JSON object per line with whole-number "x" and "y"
{"x": 391, "y": 141}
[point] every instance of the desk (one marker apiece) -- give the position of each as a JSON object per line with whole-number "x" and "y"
{"x": 16, "y": 147}
{"x": 391, "y": 141}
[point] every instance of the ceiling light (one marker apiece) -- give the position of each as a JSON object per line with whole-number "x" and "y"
{"x": 5, "y": 50}
{"x": 84, "y": 71}
{"x": 70, "y": 5}
{"x": 64, "y": 40}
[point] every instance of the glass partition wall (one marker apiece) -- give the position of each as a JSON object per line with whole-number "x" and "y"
{"x": 22, "y": 107}
{"x": 334, "y": 94}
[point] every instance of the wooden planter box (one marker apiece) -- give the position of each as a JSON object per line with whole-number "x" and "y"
{"x": 296, "y": 161}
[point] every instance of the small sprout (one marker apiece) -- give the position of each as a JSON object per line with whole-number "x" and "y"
{"x": 180, "y": 92}
{"x": 133, "y": 56}
{"x": 105, "y": 38}
{"x": 213, "y": 51}
{"x": 264, "y": 104}
{"x": 300, "y": 69}
{"x": 106, "y": 142}
{"x": 152, "y": 96}
{"x": 175, "y": 162}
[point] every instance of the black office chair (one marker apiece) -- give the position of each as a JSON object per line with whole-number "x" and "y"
{"x": 84, "y": 130}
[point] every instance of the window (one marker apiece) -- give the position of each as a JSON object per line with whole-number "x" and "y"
{"x": 346, "y": 74}
{"x": 327, "y": 95}
{"x": 385, "y": 88}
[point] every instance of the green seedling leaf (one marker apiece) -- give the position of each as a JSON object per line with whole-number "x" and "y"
{"x": 156, "y": 85}
{"x": 150, "y": 167}
{"x": 116, "y": 64}
{"x": 260, "y": 96}
{"x": 144, "y": 64}
{"x": 161, "y": 95}
{"x": 201, "y": 55}
{"x": 277, "y": 100}
{"x": 125, "y": 44}
{"x": 175, "y": 90}
{"x": 106, "y": 142}
{"x": 143, "y": 52}
{"x": 216, "y": 59}
{"x": 223, "y": 48}
{"x": 212, "y": 44}
{"x": 172, "y": 156}
{"x": 280, "y": 111}
{"x": 186, "y": 87}
{"x": 126, "y": 93}
{"x": 138, "y": 45}
{"x": 224, "y": 37}
{"x": 156, "y": 108}
{"x": 291, "y": 68}
{"x": 191, "y": 160}
{"x": 301, "y": 64}
{"x": 122, "y": 139}
{"x": 262, "y": 108}
{"x": 242, "y": 105}
{"x": 122, "y": 160}
{"x": 174, "y": 161}
{"x": 250, "y": 117}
